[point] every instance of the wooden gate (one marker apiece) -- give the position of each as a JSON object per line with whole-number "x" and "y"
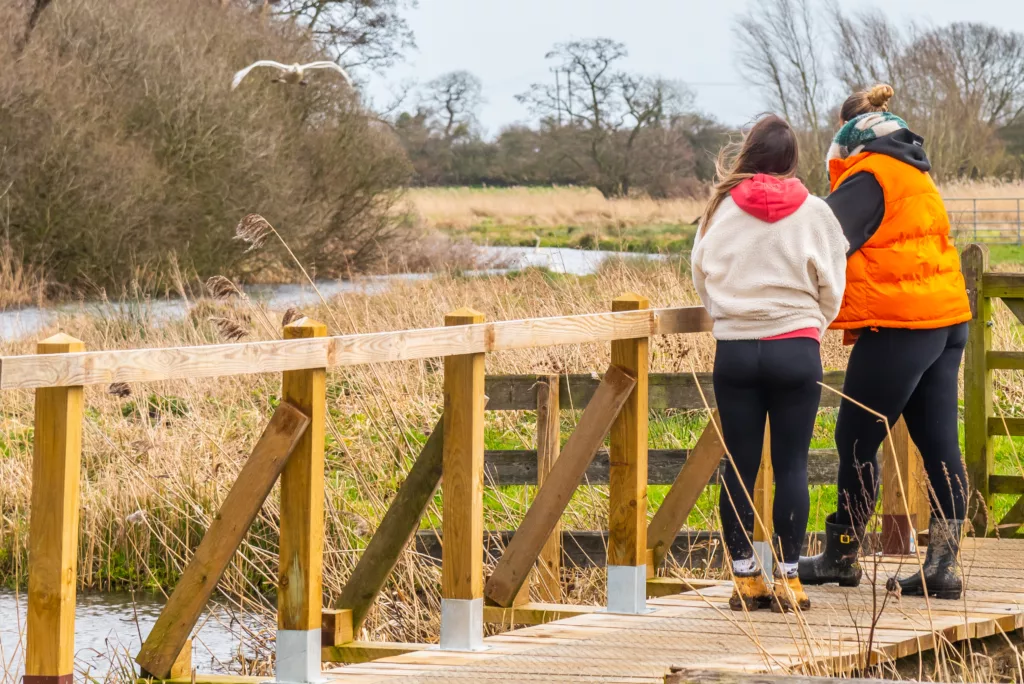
{"x": 980, "y": 425}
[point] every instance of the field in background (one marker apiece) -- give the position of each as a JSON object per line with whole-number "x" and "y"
{"x": 583, "y": 218}
{"x": 557, "y": 217}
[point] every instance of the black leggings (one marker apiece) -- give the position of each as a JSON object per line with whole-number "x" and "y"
{"x": 912, "y": 373}
{"x": 753, "y": 380}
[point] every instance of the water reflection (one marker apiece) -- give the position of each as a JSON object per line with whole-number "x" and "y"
{"x": 109, "y": 629}
{"x": 29, "y": 321}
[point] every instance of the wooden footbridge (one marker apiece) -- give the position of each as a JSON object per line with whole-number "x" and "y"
{"x": 650, "y": 620}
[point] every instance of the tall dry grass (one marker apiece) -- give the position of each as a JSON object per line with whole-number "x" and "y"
{"x": 159, "y": 458}
{"x": 461, "y": 208}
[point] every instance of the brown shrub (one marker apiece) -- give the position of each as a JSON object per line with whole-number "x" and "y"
{"x": 124, "y": 147}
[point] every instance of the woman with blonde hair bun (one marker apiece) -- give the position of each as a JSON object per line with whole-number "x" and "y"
{"x": 904, "y": 311}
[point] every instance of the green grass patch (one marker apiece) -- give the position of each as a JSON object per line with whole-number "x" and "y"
{"x": 658, "y": 238}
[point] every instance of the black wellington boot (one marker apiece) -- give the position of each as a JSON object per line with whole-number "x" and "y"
{"x": 838, "y": 562}
{"x": 941, "y": 565}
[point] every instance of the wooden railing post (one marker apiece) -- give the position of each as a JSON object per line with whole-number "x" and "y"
{"x": 903, "y": 473}
{"x": 979, "y": 453}
{"x": 764, "y": 501}
{"x": 549, "y": 564}
{"x": 53, "y": 527}
{"x": 462, "y": 485}
{"x": 300, "y": 573}
{"x": 627, "y": 512}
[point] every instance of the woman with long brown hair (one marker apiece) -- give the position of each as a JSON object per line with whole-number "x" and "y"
{"x": 769, "y": 263}
{"x": 905, "y": 313}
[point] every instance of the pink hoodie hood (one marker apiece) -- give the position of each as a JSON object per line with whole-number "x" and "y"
{"x": 769, "y": 198}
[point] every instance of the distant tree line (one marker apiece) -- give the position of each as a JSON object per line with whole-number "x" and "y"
{"x": 960, "y": 86}
{"x": 604, "y": 127}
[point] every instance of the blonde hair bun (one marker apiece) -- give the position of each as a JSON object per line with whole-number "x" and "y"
{"x": 880, "y": 95}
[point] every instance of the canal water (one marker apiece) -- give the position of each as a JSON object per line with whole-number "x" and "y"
{"x": 108, "y": 627}
{"x": 27, "y": 322}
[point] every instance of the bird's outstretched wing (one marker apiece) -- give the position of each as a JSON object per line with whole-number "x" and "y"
{"x": 330, "y": 65}
{"x": 262, "y": 63}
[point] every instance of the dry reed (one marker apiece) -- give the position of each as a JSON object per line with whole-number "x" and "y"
{"x": 462, "y": 208}
{"x": 159, "y": 458}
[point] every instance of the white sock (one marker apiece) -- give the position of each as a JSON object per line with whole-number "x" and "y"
{"x": 747, "y": 566}
{"x": 790, "y": 570}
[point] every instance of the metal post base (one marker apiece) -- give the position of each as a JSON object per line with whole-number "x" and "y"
{"x": 763, "y": 553}
{"x": 462, "y": 625}
{"x": 298, "y": 656}
{"x": 627, "y": 589}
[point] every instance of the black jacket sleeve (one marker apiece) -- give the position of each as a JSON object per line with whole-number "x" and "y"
{"x": 859, "y": 204}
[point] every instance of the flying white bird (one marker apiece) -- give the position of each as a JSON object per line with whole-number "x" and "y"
{"x": 290, "y": 73}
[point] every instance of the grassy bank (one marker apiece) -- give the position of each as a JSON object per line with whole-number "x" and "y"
{"x": 583, "y": 218}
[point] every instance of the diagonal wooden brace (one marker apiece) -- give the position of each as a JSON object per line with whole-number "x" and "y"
{"x": 229, "y": 527}
{"x": 701, "y": 464}
{"x": 398, "y": 526}
{"x": 525, "y": 546}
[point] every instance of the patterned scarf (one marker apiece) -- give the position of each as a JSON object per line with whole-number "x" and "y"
{"x": 861, "y": 130}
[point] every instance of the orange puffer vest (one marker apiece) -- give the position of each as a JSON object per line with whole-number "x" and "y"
{"x": 907, "y": 275}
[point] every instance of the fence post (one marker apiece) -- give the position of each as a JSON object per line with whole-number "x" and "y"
{"x": 627, "y": 514}
{"x": 979, "y": 454}
{"x": 975, "y": 205}
{"x": 462, "y": 484}
{"x": 300, "y": 571}
{"x": 53, "y": 527}
{"x": 903, "y": 473}
{"x": 549, "y": 564}
{"x": 764, "y": 501}
{"x": 1018, "y": 222}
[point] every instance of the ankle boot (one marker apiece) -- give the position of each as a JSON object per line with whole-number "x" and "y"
{"x": 788, "y": 594}
{"x": 838, "y": 562}
{"x": 941, "y": 565}
{"x": 750, "y": 592}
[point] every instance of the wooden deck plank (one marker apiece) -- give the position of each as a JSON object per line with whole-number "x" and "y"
{"x": 696, "y": 629}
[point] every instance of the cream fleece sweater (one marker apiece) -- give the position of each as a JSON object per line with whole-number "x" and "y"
{"x": 759, "y": 279}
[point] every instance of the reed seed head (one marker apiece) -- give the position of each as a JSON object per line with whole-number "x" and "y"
{"x": 253, "y": 230}
{"x": 230, "y": 329}
{"x": 220, "y": 287}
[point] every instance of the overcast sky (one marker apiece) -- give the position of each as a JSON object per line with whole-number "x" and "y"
{"x": 504, "y": 43}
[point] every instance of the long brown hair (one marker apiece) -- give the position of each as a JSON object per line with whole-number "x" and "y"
{"x": 769, "y": 147}
{"x": 874, "y": 99}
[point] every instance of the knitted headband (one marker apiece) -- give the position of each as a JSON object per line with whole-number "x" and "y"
{"x": 861, "y": 130}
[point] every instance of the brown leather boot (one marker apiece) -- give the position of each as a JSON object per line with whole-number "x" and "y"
{"x": 750, "y": 593}
{"x": 789, "y": 594}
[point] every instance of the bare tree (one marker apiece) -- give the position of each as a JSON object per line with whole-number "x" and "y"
{"x": 987, "y": 68}
{"x": 368, "y": 33}
{"x": 780, "y": 53}
{"x": 869, "y": 49}
{"x": 451, "y": 102}
{"x": 957, "y": 85}
{"x": 607, "y": 110}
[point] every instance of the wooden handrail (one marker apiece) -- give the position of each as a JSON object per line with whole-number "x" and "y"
{"x": 175, "y": 363}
